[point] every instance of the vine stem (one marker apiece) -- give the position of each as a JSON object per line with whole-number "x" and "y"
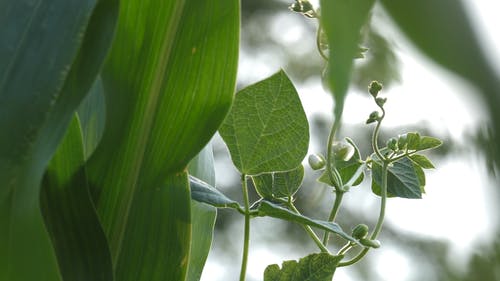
{"x": 378, "y": 226}
{"x": 333, "y": 214}
{"x": 246, "y": 239}
{"x": 309, "y": 230}
{"x": 383, "y": 193}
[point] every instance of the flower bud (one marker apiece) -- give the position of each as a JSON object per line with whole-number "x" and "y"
{"x": 374, "y": 88}
{"x": 374, "y": 117}
{"x": 316, "y": 161}
{"x": 380, "y": 101}
{"x": 392, "y": 144}
{"x": 360, "y": 231}
{"x": 342, "y": 150}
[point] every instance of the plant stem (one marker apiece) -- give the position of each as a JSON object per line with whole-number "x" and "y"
{"x": 309, "y": 230}
{"x": 246, "y": 239}
{"x": 333, "y": 213}
{"x": 378, "y": 226}
{"x": 375, "y": 137}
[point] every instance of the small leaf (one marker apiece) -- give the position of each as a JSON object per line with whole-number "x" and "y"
{"x": 266, "y": 129}
{"x": 279, "y": 184}
{"x": 422, "y": 161}
{"x": 203, "y": 192}
{"x": 267, "y": 208}
{"x": 314, "y": 267}
{"x": 402, "y": 179}
{"x": 412, "y": 141}
{"x": 428, "y": 143}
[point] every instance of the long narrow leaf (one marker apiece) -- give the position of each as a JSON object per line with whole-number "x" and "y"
{"x": 50, "y": 53}
{"x": 168, "y": 82}
{"x": 71, "y": 219}
{"x": 342, "y": 21}
{"x": 202, "y": 215}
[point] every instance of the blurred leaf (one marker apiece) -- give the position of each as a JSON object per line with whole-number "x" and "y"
{"x": 314, "y": 267}
{"x": 267, "y": 129}
{"x": 203, "y": 192}
{"x": 402, "y": 180}
{"x": 342, "y": 21}
{"x": 202, "y": 215}
{"x": 51, "y": 52}
{"x": 279, "y": 184}
{"x": 446, "y": 35}
{"x": 269, "y": 209}
{"x": 422, "y": 161}
{"x": 71, "y": 219}
{"x": 168, "y": 82}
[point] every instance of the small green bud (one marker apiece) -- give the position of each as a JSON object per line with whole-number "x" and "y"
{"x": 413, "y": 141}
{"x": 342, "y": 150}
{"x": 316, "y": 161}
{"x": 392, "y": 144}
{"x": 374, "y": 88}
{"x": 360, "y": 231}
{"x": 402, "y": 141}
{"x": 303, "y": 7}
{"x": 380, "y": 101}
{"x": 374, "y": 117}
{"x": 370, "y": 243}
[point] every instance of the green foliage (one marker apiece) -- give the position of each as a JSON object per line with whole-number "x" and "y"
{"x": 50, "y": 54}
{"x": 342, "y": 21}
{"x": 402, "y": 180}
{"x": 314, "y": 267}
{"x": 81, "y": 248}
{"x": 266, "y": 129}
{"x": 279, "y": 184}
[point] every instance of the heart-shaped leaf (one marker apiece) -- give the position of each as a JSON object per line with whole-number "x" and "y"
{"x": 402, "y": 180}
{"x": 279, "y": 184}
{"x": 266, "y": 129}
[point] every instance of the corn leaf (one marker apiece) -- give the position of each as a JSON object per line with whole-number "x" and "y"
{"x": 71, "y": 219}
{"x": 202, "y": 215}
{"x": 168, "y": 83}
{"x": 51, "y": 52}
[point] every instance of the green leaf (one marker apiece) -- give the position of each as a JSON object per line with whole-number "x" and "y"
{"x": 347, "y": 169}
{"x": 402, "y": 180}
{"x": 279, "y": 184}
{"x": 92, "y": 116}
{"x": 69, "y": 214}
{"x": 422, "y": 161}
{"x": 203, "y": 192}
{"x": 168, "y": 81}
{"x": 266, "y": 129}
{"x": 428, "y": 143}
{"x": 314, "y": 267}
{"x": 267, "y": 208}
{"x": 342, "y": 21}
{"x": 51, "y": 52}
{"x": 420, "y": 176}
{"x": 202, "y": 215}
{"x": 159, "y": 233}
